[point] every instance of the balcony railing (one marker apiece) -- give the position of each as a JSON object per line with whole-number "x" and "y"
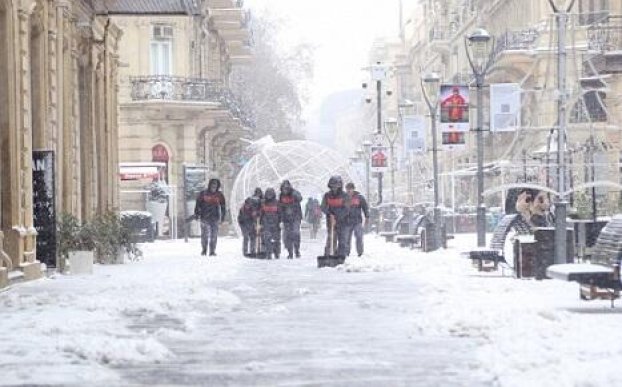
{"x": 168, "y": 88}
{"x": 606, "y": 35}
{"x": 516, "y": 40}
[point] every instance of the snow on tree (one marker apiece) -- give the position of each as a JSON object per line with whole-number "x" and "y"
{"x": 272, "y": 84}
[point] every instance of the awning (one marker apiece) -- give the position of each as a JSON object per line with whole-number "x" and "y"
{"x": 139, "y": 172}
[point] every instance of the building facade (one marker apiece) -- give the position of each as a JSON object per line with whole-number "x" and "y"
{"x": 176, "y": 106}
{"x": 58, "y": 71}
{"x": 525, "y": 53}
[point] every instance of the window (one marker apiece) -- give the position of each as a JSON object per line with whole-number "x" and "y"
{"x": 162, "y": 50}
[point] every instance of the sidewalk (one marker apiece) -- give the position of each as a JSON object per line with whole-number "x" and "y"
{"x": 397, "y": 312}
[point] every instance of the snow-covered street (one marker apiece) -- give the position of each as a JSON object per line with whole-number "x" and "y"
{"x": 394, "y": 317}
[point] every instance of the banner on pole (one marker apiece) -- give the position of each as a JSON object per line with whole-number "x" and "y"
{"x": 453, "y": 140}
{"x": 379, "y": 158}
{"x": 414, "y": 134}
{"x": 454, "y": 108}
{"x": 505, "y": 107}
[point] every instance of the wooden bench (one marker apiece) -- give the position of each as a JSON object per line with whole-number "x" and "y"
{"x": 388, "y": 235}
{"x": 495, "y": 252}
{"x": 600, "y": 279}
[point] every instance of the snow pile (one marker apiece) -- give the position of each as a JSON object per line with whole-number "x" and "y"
{"x": 87, "y": 325}
{"x": 535, "y": 333}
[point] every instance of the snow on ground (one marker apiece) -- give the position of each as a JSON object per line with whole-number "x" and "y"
{"x": 80, "y": 329}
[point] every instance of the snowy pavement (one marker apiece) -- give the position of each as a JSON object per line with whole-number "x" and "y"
{"x": 395, "y": 317}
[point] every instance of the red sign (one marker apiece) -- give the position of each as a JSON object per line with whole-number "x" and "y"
{"x": 159, "y": 153}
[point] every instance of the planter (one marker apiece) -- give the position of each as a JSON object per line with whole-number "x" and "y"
{"x": 81, "y": 262}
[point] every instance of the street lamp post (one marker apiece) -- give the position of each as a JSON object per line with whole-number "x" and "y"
{"x": 367, "y": 151}
{"x": 561, "y": 9}
{"x": 479, "y": 48}
{"x": 430, "y": 84}
{"x": 391, "y": 130}
{"x": 378, "y": 73}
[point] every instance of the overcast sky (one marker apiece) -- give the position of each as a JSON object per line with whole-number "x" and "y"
{"x": 342, "y": 32}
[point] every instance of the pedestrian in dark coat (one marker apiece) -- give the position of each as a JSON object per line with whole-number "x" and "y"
{"x": 289, "y": 200}
{"x": 248, "y": 219}
{"x": 210, "y": 210}
{"x": 335, "y": 206}
{"x": 271, "y": 224}
{"x": 358, "y": 206}
{"x": 313, "y": 215}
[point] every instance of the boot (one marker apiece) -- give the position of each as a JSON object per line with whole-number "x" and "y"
{"x": 204, "y": 251}
{"x": 297, "y": 253}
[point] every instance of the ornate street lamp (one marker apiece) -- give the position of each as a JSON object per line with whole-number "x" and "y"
{"x": 561, "y": 9}
{"x": 479, "y": 48}
{"x": 430, "y": 85}
{"x": 391, "y": 131}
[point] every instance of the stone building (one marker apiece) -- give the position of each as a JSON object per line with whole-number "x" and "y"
{"x": 58, "y": 71}
{"x": 176, "y": 106}
{"x": 525, "y": 34}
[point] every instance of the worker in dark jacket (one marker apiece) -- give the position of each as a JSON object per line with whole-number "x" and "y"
{"x": 271, "y": 224}
{"x": 358, "y": 206}
{"x": 248, "y": 219}
{"x": 313, "y": 215}
{"x": 291, "y": 212}
{"x": 210, "y": 210}
{"x": 336, "y": 207}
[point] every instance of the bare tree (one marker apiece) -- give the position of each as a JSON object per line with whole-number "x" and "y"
{"x": 272, "y": 86}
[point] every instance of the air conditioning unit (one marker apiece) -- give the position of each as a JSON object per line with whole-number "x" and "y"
{"x": 162, "y": 32}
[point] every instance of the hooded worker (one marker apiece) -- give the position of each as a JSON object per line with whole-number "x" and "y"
{"x": 210, "y": 210}
{"x": 336, "y": 207}
{"x": 271, "y": 224}
{"x": 248, "y": 220}
{"x": 358, "y": 208}
{"x": 289, "y": 201}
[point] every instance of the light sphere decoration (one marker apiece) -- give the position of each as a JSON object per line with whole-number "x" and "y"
{"x": 306, "y": 164}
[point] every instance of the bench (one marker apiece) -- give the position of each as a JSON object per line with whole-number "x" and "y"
{"x": 388, "y": 235}
{"x": 601, "y": 278}
{"x": 408, "y": 240}
{"x": 495, "y": 252}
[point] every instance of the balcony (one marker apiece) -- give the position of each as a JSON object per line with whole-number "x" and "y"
{"x": 180, "y": 89}
{"x": 606, "y": 38}
{"x": 517, "y": 40}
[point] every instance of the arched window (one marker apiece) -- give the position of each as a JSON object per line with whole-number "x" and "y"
{"x": 159, "y": 153}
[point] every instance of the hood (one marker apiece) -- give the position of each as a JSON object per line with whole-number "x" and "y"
{"x": 214, "y": 181}
{"x": 258, "y": 193}
{"x": 270, "y": 194}
{"x": 286, "y": 186}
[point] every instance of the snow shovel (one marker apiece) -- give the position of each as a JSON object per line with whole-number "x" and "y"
{"x": 257, "y": 253}
{"x": 331, "y": 260}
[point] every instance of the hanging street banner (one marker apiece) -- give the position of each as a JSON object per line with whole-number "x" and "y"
{"x": 379, "y": 158}
{"x": 414, "y": 135}
{"x": 454, "y": 108}
{"x": 505, "y": 107}
{"x": 44, "y": 205}
{"x": 453, "y": 140}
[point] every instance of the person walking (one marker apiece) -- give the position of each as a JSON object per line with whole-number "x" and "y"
{"x": 271, "y": 224}
{"x": 313, "y": 215}
{"x": 248, "y": 220}
{"x": 358, "y": 206}
{"x": 210, "y": 210}
{"x": 289, "y": 200}
{"x": 335, "y": 207}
